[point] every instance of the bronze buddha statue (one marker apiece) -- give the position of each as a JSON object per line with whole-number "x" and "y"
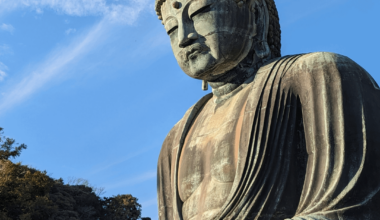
{"x": 293, "y": 137}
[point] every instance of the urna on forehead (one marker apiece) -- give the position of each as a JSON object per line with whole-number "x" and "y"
{"x": 170, "y": 7}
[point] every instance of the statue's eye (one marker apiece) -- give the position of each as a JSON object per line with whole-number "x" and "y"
{"x": 171, "y": 25}
{"x": 172, "y": 30}
{"x": 201, "y": 11}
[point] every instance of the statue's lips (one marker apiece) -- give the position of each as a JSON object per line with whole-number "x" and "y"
{"x": 194, "y": 49}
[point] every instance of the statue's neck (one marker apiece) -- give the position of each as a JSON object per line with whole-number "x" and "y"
{"x": 229, "y": 83}
{"x": 224, "y": 86}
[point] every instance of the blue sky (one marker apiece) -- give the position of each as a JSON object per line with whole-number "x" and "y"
{"x": 92, "y": 87}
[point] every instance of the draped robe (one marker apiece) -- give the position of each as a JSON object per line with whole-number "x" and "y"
{"x": 309, "y": 145}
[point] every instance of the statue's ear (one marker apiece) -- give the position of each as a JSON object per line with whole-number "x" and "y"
{"x": 260, "y": 44}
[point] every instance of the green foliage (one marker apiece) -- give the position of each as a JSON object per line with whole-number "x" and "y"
{"x": 75, "y": 202}
{"x": 122, "y": 207}
{"x": 7, "y": 148}
{"x": 80, "y": 181}
{"x": 30, "y": 194}
{"x": 24, "y": 192}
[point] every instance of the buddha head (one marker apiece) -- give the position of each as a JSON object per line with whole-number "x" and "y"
{"x": 212, "y": 37}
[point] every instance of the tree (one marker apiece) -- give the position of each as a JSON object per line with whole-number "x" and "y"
{"x": 30, "y": 194}
{"x": 24, "y": 192}
{"x": 7, "y": 149}
{"x": 121, "y": 207}
{"x": 75, "y": 202}
{"x": 80, "y": 181}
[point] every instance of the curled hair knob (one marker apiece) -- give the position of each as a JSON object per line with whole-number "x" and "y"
{"x": 176, "y": 5}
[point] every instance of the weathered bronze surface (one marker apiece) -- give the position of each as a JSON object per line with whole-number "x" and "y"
{"x": 293, "y": 137}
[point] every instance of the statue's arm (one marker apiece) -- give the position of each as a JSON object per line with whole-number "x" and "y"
{"x": 164, "y": 181}
{"x": 340, "y": 103}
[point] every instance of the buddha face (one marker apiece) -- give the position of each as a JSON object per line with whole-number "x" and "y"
{"x": 208, "y": 37}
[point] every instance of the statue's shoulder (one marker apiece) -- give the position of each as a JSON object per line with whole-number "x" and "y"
{"x": 314, "y": 64}
{"x": 172, "y": 140}
{"x": 309, "y": 61}
{"x": 318, "y": 59}
{"x": 318, "y": 67}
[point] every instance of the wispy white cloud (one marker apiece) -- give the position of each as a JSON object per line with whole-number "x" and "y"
{"x": 39, "y": 11}
{"x": 70, "y": 31}
{"x": 3, "y": 68}
{"x": 52, "y": 67}
{"x": 134, "y": 180}
{"x": 114, "y": 163}
{"x": 7, "y": 27}
{"x": 119, "y": 11}
{"x": 61, "y": 58}
{"x": 2, "y": 75}
{"x": 5, "y": 49}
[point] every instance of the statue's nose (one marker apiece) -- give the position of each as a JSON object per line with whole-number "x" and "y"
{"x": 185, "y": 41}
{"x": 186, "y": 35}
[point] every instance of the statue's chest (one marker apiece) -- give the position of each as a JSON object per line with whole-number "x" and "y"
{"x": 209, "y": 154}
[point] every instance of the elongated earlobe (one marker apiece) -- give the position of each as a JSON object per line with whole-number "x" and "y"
{"x": 262, "y": 49}
{"x": 260, "y": 44}
{"x": 204, "y": 85}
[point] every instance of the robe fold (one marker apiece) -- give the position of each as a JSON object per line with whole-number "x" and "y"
{"x": 309, "y": 145}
